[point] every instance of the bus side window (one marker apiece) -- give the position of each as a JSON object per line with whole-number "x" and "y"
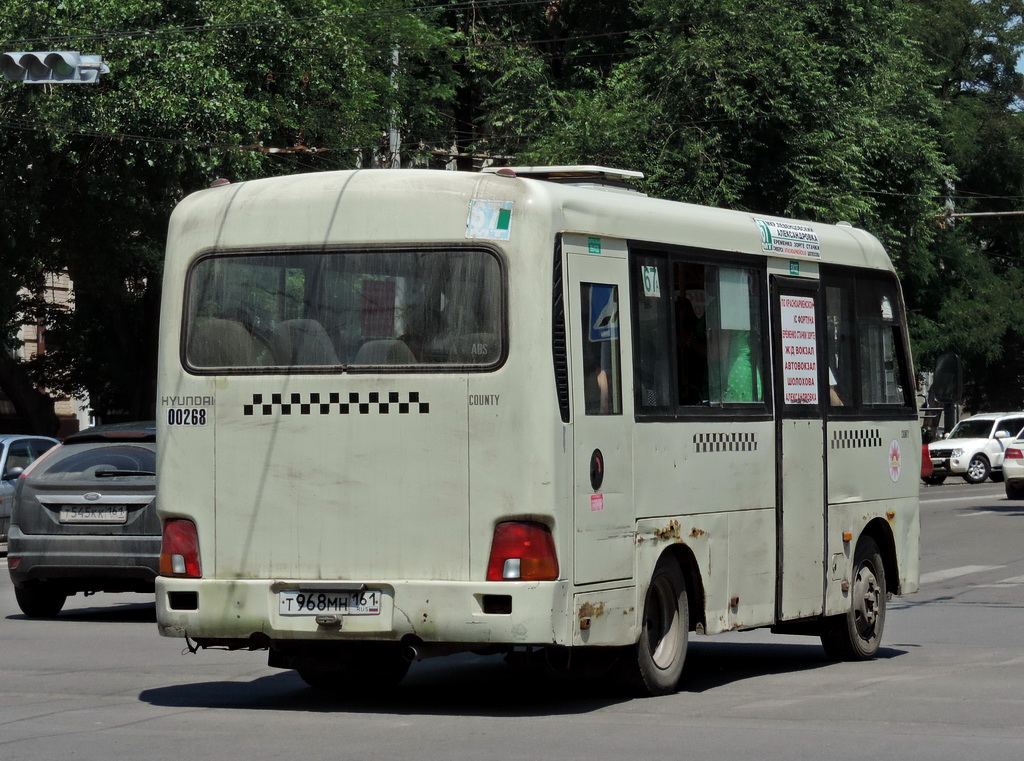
{"x": 883, "y": 367}
{"x": 700, "y": 333}
{"x": 867, "y": 364}
{"x": 602, "y": 382}
{"x": 734, "y": 366}
{"x": 839, "y": 342}
{"x": 653, "y": 334}
{"x": 691, "y": 303}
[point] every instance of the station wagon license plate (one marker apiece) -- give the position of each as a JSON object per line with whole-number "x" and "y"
{"x": 93, "y": 513}
{"x": 296, "y": 602}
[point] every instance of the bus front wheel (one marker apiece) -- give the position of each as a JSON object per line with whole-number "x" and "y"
{"x": 857, "y": 634}
{"x": 657, "y": 662}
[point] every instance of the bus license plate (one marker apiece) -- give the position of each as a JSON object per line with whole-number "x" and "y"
{"x": 93, "y": 514}
{"x": 296, "y": 602}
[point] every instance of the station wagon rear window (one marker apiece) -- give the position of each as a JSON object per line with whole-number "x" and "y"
{"x": 399, "y": 311}
{"x": 104, "y": 461}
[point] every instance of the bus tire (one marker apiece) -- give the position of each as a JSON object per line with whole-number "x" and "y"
{"x": 933, "y": 480}
{"x": 40, "y": 600}
{"x": 857, "y": 634}
{"x": 657, "y": 658}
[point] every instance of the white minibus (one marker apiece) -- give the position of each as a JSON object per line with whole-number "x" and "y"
{"x": 406, "y": 413}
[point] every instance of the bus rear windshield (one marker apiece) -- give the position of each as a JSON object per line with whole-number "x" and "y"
{"x": 398, "y": 310}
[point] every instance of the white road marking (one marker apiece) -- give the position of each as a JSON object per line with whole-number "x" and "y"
{"x": 952, "y": 573}
{"x": 959, "y": 499}
{"x": 1015, "y": 581}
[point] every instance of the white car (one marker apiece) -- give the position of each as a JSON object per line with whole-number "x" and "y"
{"x": 1013, "y": 469}
{"x": 974, "y": 449}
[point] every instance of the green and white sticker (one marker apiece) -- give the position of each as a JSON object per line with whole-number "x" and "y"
{"x": 652, "y": 282}
{"x": 490, "y": 220}
{"x": 788, "y": 238}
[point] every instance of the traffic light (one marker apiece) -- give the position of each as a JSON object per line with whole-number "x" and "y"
{"x": 53, "y": 67}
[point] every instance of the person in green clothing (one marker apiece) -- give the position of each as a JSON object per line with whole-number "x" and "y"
{"x": 743, "y": 380}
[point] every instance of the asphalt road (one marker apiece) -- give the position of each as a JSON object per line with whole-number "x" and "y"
{"x": 99, "y": 683}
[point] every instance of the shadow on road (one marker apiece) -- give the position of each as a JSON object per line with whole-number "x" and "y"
{"x": 711, "y": 664}
{"x": 127, "y": 613}
{"x": 1008, "y": 507}
{"x": 467, "y": 685}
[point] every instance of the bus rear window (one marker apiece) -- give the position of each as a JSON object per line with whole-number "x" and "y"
{"x": 385, "y": 310}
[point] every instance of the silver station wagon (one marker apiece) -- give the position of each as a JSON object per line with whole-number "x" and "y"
{"x": 84, "y": 519}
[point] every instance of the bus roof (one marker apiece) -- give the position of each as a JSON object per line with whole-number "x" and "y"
{"x": 408, "y": 206}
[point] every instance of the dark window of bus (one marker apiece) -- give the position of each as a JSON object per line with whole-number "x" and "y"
{"x": 690, "y": 299}
{"x": 840, "y": 342}
{"x": 883, "y": 366}
{"x": 868, "y": 366}
{"x": 653, "y": 334}
{"x": 602, "y": 367}
{"x": 703, "y": 347}
{"x": 351, "y": 309}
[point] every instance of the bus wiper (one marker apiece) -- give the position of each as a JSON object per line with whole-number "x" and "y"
{"x": 112, "y": 473}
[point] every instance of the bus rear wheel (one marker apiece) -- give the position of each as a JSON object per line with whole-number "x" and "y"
{"x": 657, "y": 659}
{"x": 857, "y": 634}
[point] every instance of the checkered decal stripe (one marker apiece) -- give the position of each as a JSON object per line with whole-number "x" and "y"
{"x": 725, "y": 442}
{"x": 862, "y": 439}
{"x": 373, "y": 403}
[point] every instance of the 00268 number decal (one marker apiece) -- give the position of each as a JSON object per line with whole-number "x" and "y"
{"x": 187, "y": 416}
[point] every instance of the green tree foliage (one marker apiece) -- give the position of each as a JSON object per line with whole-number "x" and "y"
{"x": 971, "y": 306}
{"x": 876, "y": 113}
{"x": 813, "y": 110}
{"x": 197, "y": 89}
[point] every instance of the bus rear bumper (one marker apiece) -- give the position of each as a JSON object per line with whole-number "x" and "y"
{"x": 248, "y": 614}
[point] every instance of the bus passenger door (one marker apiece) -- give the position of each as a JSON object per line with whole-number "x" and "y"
{"x": 602, "y": 410}
{"x": 800, "y": 437}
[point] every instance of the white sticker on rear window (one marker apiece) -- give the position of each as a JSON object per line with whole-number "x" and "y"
{"x": 490, "y": 220}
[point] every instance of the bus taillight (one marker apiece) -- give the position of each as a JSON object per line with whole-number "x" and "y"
{"x": 179, "y": 551}
{"x": 522, "y": 551}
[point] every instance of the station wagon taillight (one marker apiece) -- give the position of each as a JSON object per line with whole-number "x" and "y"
{"x": 179, "y": 550}
{"x": 522, "y": 551}
{"x": 1014, "y": 454}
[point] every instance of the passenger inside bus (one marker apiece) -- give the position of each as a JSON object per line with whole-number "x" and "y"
{"x": 691, "y": 334}
{"x": 742, "y": 374}
{"x": 737, "y": 339}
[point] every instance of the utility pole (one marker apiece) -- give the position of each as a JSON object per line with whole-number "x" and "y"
{"x": 394, "y": 135}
